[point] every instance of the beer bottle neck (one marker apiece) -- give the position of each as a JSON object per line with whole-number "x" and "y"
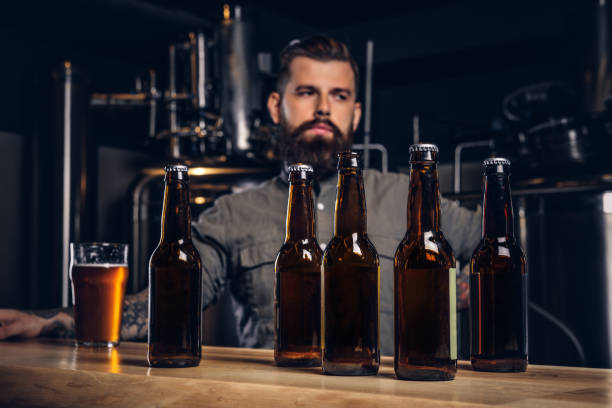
{"x": 423, "y": 199}
{"x": 300, "y": 212}
{"x": 350, "y": 215}
{"x": 176, "y": 215}
{"x": 497, "y": 217}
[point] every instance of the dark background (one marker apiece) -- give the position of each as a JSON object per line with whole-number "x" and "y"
{"x": 450, "y": 62}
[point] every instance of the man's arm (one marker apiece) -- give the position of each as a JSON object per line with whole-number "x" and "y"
{"x": 60, "y": 322}
{"x": 212, "y": 240}
{"x": 34, "y": 323}
{"x": 57, "y": 322}
{"x": 461, "y": 228}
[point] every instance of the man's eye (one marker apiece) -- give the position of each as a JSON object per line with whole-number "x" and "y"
{"x": 305, "y": 93}
{"x": 341, "y": 97}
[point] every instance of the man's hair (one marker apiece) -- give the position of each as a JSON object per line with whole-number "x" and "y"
{"x": 319, "y": 48}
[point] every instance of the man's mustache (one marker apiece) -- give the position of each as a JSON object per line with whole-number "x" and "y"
{"x": 297, "y": 132}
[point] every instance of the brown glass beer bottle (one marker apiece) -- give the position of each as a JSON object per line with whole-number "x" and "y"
{"x": 424, "y": 275}
{"x": 175, "y": 282}
{"x": 351, "y": 282}
{"x": 297, "y": 284}
{"x": 498, "y": 280}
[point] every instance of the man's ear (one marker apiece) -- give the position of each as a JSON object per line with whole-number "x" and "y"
{"x": 356, "y": 115}
{"x": 274, "y": 106}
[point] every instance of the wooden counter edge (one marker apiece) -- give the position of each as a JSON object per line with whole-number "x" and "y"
{"x": 48, "y": 387}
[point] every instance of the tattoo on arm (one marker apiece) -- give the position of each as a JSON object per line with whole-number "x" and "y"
{"x": 59, "y": 329}
{"x": 49, "y": 313}
{"x": 134, "y": 325}
{"x": 62, "y": 326}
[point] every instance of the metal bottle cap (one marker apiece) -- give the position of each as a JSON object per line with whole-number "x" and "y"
{"x": 496, "y": 161}
{"x": 423, "y": 152}
{"x": 300, "y": 171}
{"x": 423, "y": 147}
{"x": 176, "y": 168}
{"x": 176, "y": 172}
{"x": 496, "y": 165}
{"x": 300, "y": 167}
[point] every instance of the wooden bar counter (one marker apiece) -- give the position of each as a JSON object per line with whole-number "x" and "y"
{"x": 54, "y": 373}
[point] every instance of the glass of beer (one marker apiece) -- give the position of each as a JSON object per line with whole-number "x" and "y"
{"x": 98, "y": 272}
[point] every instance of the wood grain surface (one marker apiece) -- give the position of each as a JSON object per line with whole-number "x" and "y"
{"x": 54, "y": 373}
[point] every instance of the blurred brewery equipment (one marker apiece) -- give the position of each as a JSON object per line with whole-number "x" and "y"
{"x": 207, "y": 116}
{"x": 559, "y": 137}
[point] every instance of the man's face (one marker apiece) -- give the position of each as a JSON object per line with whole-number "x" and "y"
{"x": 317, "y": 112}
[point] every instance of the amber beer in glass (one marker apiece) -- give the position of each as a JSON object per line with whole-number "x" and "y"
{"x": 175, "y": 282}
{"x": 98, "y": 272}
{"x": 297, "y": 284}
{"x": 498, "y": 280}
{"x": 351, "y": 282}
{"x": 424, "y": 276}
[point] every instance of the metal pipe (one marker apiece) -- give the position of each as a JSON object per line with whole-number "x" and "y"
{"x": 457, "y": 163}
{"x": 153, "y": 103}
{"x": 66, "y": 185}
{"x": 172, "y": 88}
{"x": 561, "y": 326}
{"x": 136, "y": 218}
{"x": 201, "y": 66}
{"x": 119, "y": 99}
{"x": 416, "y": 129}
{"x": 368, "y": 103}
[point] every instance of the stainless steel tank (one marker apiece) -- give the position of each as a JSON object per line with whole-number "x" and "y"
{"x": 240, "y": 90}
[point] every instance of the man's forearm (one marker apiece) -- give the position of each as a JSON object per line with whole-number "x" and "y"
{"x": 135, "y": 316}
{"x": 60, "y": 321}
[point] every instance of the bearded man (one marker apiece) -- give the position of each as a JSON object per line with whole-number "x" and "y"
{"x": 317, "y": 111}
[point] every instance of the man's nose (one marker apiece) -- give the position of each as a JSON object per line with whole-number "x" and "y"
{"x": 322, "y": 108}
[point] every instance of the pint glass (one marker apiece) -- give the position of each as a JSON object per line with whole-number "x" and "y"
{"x": 98, "y": 272}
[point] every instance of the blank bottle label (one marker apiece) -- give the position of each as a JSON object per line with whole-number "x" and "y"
{"x": 452, "y": 292}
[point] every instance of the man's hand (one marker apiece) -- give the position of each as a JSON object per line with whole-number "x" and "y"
{"x": 55, "y": 322}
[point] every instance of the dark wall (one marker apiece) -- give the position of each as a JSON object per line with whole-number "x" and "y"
{"x": 453, "y": 65}
{"x": 14, "y": 270}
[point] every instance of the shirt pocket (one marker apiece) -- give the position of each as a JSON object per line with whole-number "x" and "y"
{"x": 255, "y": 280}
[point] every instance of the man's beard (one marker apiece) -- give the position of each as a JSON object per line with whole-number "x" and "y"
{"x": 319, "y": 153}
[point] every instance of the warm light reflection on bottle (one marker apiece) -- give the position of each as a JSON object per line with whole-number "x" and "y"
{"x": 430, "y": 245}
{"x": 356, "y": 247}
{"x": 226, "y": 12}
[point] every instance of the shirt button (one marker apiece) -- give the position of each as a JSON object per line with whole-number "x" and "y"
{"x": 320, "y": 206}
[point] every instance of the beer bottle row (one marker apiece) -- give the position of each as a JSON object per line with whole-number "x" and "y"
{"x": 327, "y": 304}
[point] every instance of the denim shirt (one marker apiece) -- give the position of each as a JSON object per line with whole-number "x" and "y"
{"x": 238, "y": 239}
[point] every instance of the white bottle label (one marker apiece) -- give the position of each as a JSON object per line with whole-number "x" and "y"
{"x": 452, "y": 291}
